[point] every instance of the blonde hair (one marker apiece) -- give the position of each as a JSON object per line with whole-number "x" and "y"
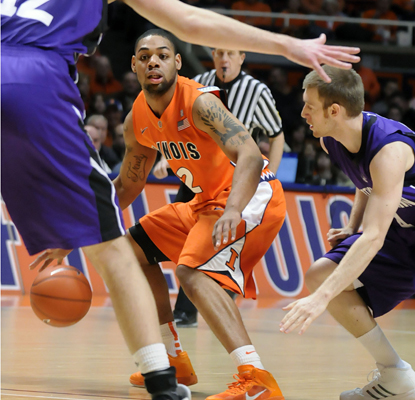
{"x": 345, "y": 89}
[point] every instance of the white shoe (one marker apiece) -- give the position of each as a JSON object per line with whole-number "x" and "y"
{"x": 184, "y": 392}
{"x": 387, "y": 383}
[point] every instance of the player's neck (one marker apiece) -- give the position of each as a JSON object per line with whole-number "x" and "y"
{"x": 159, "y": 102}
{"x": 349, "y": 134}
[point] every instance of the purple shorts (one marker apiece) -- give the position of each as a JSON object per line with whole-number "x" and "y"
{"x": 388, "y": 279}
{"x": 51, "y": 178}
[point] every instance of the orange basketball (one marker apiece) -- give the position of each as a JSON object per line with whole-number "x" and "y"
{"x": 60, "y": 295}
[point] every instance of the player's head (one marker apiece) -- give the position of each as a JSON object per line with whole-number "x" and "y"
{"x": 228, "y": 63}
{"x": 156, "y": 62}
{"x": 327, "y": 103}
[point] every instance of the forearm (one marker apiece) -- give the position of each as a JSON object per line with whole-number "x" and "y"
{"x": 245, "y": 181}
{"x": 191, "y": 24}
{"x": 351, "y": 267}
{"x": 125, "y": 195}
{"x": 358, "y": 209}
{"x": 275, "y": 152}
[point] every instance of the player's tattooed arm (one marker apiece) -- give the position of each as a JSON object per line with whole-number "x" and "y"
{"x": 218, "y": 120}
{"x": 135, "y": 166}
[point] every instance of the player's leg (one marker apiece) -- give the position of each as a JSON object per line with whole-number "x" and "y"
{"x": 203, "y": 273}
{"x": 395, "y": 377}
{"x": 131, "y": 296}
{"x": 149, "y": 260}
{"x": 65, "y": 200}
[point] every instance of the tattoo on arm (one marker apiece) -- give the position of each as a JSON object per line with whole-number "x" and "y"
{"x": 213, "y": 115}
{"x": 137, "y": 170}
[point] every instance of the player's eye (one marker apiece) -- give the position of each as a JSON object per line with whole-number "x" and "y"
{"x": 163, "y": 56}
{"x": 143, "y": 57}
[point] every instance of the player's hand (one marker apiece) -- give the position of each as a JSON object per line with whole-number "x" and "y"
{"x": 227, "y": 222}
{"x": 160, "y": 169}
{"x": 336, "y": 236}
{"x": 48, "y": 256}
{"x": 313, "y": 52}
{"x": 302, "y": 313}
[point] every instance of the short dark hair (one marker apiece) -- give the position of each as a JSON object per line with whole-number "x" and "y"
{"x": 346, "y": 89}
{"x": 158, "y": 32}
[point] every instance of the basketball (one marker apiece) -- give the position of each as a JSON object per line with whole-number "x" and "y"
{"x": 60, "y": 295}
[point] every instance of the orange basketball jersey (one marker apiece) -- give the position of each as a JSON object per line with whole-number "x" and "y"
{"x": 191, "y": 153}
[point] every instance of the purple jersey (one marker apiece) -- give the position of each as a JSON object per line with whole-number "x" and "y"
{"x": 68, "y": 27}
{"x": 376, "y": 133}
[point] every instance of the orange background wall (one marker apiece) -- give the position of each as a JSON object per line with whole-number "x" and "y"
{"x": 279, "y": 274}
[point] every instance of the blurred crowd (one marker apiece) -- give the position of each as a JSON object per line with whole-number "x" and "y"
{"x": 108, "y": 99}
{"x": 372, "y": 9}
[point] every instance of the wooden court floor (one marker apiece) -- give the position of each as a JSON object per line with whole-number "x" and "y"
{"x": 90, "y": 360}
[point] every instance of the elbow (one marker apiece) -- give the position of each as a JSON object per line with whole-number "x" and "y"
{"x": 374, "y": 241}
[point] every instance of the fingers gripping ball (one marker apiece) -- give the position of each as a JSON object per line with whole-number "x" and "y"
{"x": 60, "y": 295}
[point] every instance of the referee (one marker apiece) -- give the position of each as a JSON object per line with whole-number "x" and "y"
{"x": 252, "y": 103}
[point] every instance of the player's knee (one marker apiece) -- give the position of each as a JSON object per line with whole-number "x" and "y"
{"x": 318, "y": 272}
{"x": 184, "y": 275}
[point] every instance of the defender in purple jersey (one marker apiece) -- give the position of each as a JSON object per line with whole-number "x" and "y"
{"x": 366, "y": 274}
{"x": 52, "y": 181}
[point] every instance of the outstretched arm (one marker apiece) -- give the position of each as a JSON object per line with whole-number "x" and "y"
{"x": 387, "y": 170}
{"x": 212, "y": 117}
{"x": 204, "y": 27}
{"x": 135, "y": 167}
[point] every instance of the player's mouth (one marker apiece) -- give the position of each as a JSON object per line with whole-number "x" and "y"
{"x": 155, "y": 77}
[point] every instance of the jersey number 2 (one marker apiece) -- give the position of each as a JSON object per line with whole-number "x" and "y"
{"x": 28, "y": 10}
{"x": 188, "y": 180}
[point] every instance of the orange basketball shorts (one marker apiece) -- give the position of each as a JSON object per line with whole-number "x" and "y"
{"x": 183, "y": 232}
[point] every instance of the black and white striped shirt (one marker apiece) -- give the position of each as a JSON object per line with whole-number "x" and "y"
{"x": 249, "y": 100}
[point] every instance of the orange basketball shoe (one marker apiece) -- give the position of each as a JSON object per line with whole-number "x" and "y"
{"x": 185, "y": 373}
{"x": 252, "y": 384}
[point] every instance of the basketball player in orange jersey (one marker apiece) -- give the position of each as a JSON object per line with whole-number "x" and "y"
{"x": 218, "y": 237}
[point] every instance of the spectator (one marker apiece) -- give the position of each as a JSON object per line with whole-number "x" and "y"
{"x": 324, "y": 174}
{"x": 382, "y": 33}
{"x": 118, "y": 144}
{"x": 370, "y": 84}
{"x": 130, "y": 90}
{"x": 96, "y": 140}
{"x": 86, "y": 65}
{"x": 106, "y": 153}
{"x": 395, "y": 113}
{"x": 287, "y": 98}
{"x": 312, "y": 6}
{"x": 387, "y": 90}
{"x": 84, "y": 88}
{"x": 332, "y": 8}
{"x": 97, "y": 104}
{"x": 104, "y": 80}
{"x": 114, "y": 115}
{"x": 404, "y": 9}
{"x": 306, "y": 163}
{"x": 295, "y": 27}
{"x": 297, "y": 137}
{"x": 252, "y": 5}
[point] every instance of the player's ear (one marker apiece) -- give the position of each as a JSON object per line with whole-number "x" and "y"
{"x": 133, "y": 60}
{"x": 334, "y": 110}
{"x": 178, "y": 62}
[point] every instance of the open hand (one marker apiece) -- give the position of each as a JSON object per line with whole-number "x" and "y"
{"x": 302, "y": 313}
{"x": 48, "y": 256}
{"x": 313, "y": 52}
{"x": 227, "y": 222}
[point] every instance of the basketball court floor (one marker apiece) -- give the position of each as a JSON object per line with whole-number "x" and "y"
{"x": 89, "y": 361}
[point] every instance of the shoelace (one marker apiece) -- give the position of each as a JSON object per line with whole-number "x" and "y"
{"x": 373, "y": 375}
{"x": 240, "y": 386}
